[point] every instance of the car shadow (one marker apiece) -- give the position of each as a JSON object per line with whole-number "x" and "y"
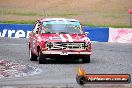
{"x": 64, "y": 61}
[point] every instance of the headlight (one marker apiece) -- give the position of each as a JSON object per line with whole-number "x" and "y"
{"x": 87, "y": 45}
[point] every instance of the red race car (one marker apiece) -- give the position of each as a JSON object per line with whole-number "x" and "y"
{"x": 59, "y": 38}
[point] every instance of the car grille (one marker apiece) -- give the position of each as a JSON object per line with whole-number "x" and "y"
{"x": 66, "y": 46}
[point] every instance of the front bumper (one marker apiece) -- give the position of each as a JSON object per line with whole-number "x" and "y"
{"x": 65, "y": 53}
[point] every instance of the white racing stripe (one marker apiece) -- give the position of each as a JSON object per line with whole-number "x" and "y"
{"x": 63, "y": 39}
{"x": 69, "y": 38}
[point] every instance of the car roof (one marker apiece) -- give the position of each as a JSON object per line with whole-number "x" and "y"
{"x": 58, "y": 19}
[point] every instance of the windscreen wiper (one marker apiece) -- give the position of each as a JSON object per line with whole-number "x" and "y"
{"x": 63, "y": 32}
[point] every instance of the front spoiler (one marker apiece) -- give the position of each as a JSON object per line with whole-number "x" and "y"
{"x": 66, "y": 53}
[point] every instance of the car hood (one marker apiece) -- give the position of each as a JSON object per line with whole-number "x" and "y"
{"x": 64, "y": 37}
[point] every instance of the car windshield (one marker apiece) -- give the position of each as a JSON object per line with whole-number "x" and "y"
{"x": 61, "y": 27}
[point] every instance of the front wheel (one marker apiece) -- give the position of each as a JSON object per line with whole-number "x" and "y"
{"x": 86, "y": 59}
{"x": 32, "y": 56}
{"x": 41, "y": 58}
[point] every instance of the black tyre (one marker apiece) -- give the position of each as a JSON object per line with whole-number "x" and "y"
{"x": 81, "y": 80}
{"x": 41, "y": 58}
{"x": 86, "y": 59}
{"x": 32, "y": 56}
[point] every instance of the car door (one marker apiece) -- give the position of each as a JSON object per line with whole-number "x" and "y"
{"x": 33, "y": 38}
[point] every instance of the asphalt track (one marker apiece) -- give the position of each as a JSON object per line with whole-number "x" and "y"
{"x": 107, "y": 58}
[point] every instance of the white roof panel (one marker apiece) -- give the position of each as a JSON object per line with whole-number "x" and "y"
{"x": 58, "y": 19}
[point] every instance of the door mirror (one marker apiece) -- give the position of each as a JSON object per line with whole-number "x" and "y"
{"x": 86, "y": 33}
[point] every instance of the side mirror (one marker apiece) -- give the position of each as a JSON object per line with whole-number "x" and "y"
{"x": 86, "y": 33}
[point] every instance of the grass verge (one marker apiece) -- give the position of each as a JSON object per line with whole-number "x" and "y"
{"x": 85, "y": 24}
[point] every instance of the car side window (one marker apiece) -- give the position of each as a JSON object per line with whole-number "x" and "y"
{"x": 36, "y": 28}
{"x": 44, "y": 30}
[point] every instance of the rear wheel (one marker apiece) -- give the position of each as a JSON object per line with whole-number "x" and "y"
{"x": 86, "y": 59}
{"x": 41, "y": 57}
{"x": 32, "y": 56}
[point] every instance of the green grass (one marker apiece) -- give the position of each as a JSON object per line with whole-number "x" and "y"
{"x": 19, "y": 13}
{"x": 58, "y": 14}
{"x": 85, "y": 24}
{"x": 107, "y": 25}
{"x": 29, "y": 13}
{"x": 19, "y": 22}
{"x": 63, "y": 14}
{"x": 25, "y": 14}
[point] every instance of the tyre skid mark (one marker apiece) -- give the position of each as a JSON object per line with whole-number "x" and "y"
{"x": 10, "y": 69}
